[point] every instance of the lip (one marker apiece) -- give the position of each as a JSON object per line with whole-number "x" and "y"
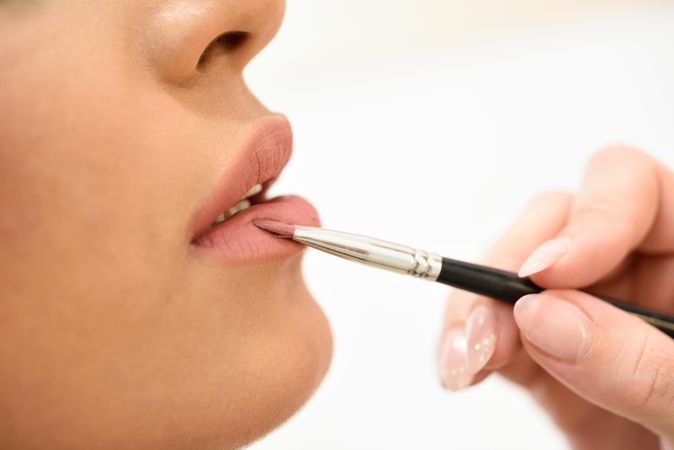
{"x": 266, "y": 150}
{"x": 237, "y": 240}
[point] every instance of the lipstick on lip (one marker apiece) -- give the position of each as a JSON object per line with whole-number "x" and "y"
{"x": 265, "y": 151}
{"x": 223, "y": 227}
{"x": 238, "y": 241}
{"x": 495, "y": 283}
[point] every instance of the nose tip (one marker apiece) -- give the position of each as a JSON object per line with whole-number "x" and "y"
{"x": 186, "y": 37}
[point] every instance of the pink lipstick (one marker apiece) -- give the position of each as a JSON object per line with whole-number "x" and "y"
{"x": 223, "y": 228}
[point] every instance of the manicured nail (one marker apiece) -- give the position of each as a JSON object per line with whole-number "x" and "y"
{"x": 545, "y": 256}
{"x": 555, "y": 326}
{"x": 480, "y": 337}
{"x": 454, "y": 374}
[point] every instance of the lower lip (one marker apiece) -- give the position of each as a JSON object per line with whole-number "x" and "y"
{"x": 238, "y": 241}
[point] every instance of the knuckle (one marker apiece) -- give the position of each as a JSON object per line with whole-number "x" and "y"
{"x": 637, "y": 163}
{"x": 550, "y": 198}
{"x": 620, "y": 153}
{"x": 604, "y": 212}
{"x": 643, "y": 378}
{"x": 607, "y": 216}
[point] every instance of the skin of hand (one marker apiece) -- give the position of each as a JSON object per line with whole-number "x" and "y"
{"x": 605, "y": 377}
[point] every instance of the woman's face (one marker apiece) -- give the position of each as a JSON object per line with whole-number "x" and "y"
{"x": 126, "y": 319}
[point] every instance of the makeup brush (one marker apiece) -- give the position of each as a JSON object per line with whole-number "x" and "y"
{"x": 497, "y": 284}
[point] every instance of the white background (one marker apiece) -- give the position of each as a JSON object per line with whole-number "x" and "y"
{"x": 432, "y": 124}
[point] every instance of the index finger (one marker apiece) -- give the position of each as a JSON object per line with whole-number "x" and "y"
{"x": 626, "y": 202}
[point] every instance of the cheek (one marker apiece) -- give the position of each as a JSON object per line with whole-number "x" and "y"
{"x": 110, "y": 311}
{"x": 98, "y": 178}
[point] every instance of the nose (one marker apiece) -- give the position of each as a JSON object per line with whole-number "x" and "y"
{"x": 187, "y": 38}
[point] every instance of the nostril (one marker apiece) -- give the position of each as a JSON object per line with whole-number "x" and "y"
{"x": 225, "y": 43}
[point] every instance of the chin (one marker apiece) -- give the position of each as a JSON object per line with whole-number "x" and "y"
{"x": 289, "y": 357}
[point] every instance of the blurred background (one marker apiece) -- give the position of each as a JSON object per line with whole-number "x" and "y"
{"x": 432, "y": 123}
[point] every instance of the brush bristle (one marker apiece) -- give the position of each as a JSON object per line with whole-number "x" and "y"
{"x": 274, "y": 226}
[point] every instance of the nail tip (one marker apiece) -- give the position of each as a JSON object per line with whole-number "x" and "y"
{"x": 528, "y": 270}
{"x": 478, "y": 360}
{"x": 545, "y": 256}
{"x": 524, "y": 273}
{"x": 481, "y": 328}
{"x": 457, "y": 384}
{"x": 453, "y": 373}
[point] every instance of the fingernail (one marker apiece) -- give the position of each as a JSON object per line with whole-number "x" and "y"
{"x": 480, "y": 337}
{"x": 545, "y": 256}
{"x": 454, "y": 374}
{"x": 555, "y": 326}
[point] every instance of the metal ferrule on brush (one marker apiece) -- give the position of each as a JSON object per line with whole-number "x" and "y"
{"x": 373, "y": 252}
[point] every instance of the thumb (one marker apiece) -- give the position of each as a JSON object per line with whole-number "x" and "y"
{"x": 603, "y": 354}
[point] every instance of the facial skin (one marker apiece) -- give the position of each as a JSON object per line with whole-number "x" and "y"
{"x": 114, "y": 332}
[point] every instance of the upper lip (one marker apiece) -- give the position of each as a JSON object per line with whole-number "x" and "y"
{"x": 266, "y": 150}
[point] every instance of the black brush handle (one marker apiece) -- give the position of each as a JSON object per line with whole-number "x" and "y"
{"x": 509, "y": 287}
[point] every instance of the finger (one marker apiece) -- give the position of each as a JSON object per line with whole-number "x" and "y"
{"x": 478, "y": 332}
{"x": 605, "y": 355}
{"x": 626, "y": 201}
{"x": 482, "y": 336}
